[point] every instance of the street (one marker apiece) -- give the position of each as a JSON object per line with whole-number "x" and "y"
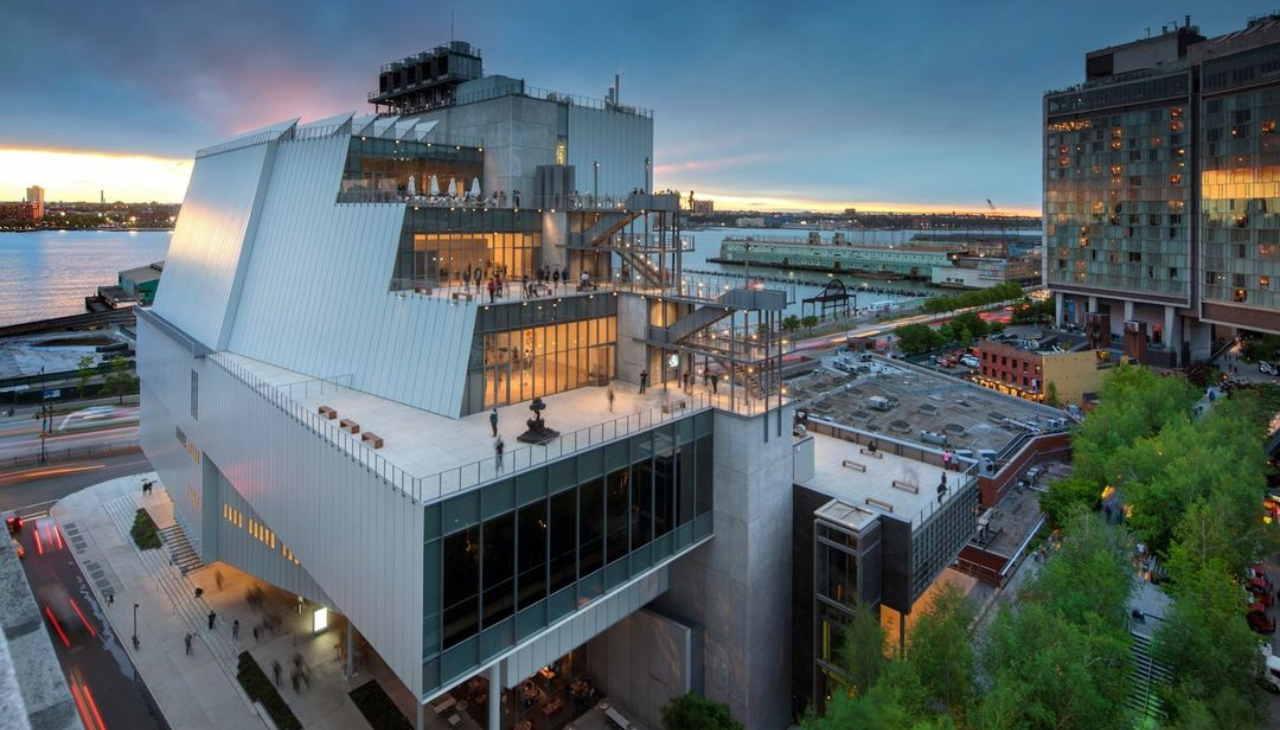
{"x": 102, "y": 679}
{"x": 20, "y": 434}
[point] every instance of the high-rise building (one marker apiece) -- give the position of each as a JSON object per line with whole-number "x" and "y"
{"x": 352, "y": 309}
{"x": 1160, "y": 210}
{"x": 35, "y": 196}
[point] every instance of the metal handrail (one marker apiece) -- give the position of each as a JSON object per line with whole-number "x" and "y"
{"x": 429, "y": 487}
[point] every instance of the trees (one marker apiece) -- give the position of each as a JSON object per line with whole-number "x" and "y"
{"x": 919, "y": 338}
{"x": 790, "y": 324}
{"x": 973, "y": 298}
{"x": 695, "y": 712}
{"x": 810, "y": 321}
{"x": 84, "y": 368}
{"x": 1051, "y": 395}
{"x": 120, "y": 381}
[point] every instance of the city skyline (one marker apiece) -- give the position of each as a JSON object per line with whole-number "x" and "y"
{"x": 759, "y": 111}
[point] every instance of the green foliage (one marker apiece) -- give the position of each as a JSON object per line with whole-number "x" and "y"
{"x": 1212, "y": 652}
{"x": 377, "y": 707}
{"x": 120, "y": 380}
{"x": 963, "y": 328}
{"x": 975, "y": 298}
{"x": 85, "y": 369}
{"x": 259, "y": 688}
{"x": 695, "y": 712}
{"x": 1032, "y": 311}
{"x": 941, "y": 652}
{"x": 810, "y": 321}
{"x": 791, "y": 323}
{"x": 144, "y": 532}
{"x": 919, "y": 338}
{"x": 862, "y": 651}
{"x": 1051, "y": 395}
{"x": 1260, "y": 347}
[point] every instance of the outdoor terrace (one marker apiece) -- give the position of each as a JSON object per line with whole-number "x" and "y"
{"x": 429, "y": 456}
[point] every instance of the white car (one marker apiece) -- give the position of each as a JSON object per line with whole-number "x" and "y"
{"x": 1270, "y": 669}
{"x": 969, "y": 361}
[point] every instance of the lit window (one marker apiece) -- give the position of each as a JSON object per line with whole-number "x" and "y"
{"x": 1175, "y": 179}
{"x": 1268, "y": 126}
{"x": 1241, "y": 295}
{"x": 1264, "y": 282}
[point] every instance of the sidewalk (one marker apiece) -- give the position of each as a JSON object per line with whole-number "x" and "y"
{"x": 200, "y": 691}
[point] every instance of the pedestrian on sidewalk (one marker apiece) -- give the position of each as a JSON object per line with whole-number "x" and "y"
{"x": 235, "y": 629}
{"x": 493, "y": 421}
{"x": 212, "y": 617}
{"x": 609, "y": 395}
{"x": 256, "y": 632}
{"x": 498, "y": 448}
{"x": 715, "y": 383}
{"x": 644, "y": 380}
{"x": 187, "y": 641}
{"x": 275, "y": 669}
{"x": 688, "y": 382}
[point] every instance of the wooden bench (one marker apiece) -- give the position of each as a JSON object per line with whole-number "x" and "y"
{"x": 350, "y": 425}
{"x": 444, "y": 704}
{"x": 465, "y": 296}
{"x": 328, "y": 412}
{"x": 880, "y": 503}
{"x": 854, "y": 465}
{"x": 898, "y": 484}
{"x": 873, "y": 454}
{"x": 674, "y": 405}
{"x": 374, "y": 439}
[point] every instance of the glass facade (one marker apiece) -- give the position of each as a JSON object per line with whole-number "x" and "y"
{"x": 1117, "y": 188}
{"x": 1240, "y": 181}
{"x": 444, "y": 247}
{"x": 505, "y": 561}
{"x": 525, "y": 350}
{"x": 385, "y": 166}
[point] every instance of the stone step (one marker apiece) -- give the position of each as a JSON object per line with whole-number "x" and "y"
{"x": 175, "y": 585}
{"x": 184, "y": 556}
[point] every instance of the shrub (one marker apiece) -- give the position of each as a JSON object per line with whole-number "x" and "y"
{"x": 144, "y": 532}
{"x": 377, "y": 707}
{"x": 259, "y": 688}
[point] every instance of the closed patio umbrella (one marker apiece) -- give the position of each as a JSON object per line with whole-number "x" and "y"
{"x": 434, "y": 186}
{"x": 453, "y": 187}
{"x": 475, "y": 188}
{"x": 413, "y": 187}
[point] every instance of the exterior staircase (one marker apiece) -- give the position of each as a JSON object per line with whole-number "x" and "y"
{"x": 174, "y": 584}
{"x": 180, "y": 551}
{"x": 1146, "y": 679}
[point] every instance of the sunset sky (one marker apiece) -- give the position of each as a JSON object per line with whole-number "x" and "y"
{"x": 816, "y": 105}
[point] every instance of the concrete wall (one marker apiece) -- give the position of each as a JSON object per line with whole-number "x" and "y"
{"x": 739, "y": 586}
{"x": 633, "y": 325}
{"x": 519, "y": 134}
{"x": 619, "y": 142}
{"x": 647, "y": 660}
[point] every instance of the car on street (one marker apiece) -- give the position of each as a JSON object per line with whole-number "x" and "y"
{"x": 13, "y": 521}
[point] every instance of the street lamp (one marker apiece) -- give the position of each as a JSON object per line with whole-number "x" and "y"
{"x": 135, "y": 626}
{"x": 647, "y": 184}
{"x": 595, "y": 184}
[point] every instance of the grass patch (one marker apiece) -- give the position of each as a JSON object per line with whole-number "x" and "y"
{"x": 259, "y": 688}
{"x": 377, "y": 707}
{"x": 145, "y": 534}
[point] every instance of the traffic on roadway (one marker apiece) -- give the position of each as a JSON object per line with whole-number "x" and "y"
{"x": 107, "y": 692}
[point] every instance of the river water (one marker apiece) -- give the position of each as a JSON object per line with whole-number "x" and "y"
{"x": 49, "y": 273}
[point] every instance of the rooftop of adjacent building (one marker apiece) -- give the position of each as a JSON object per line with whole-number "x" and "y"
{"x": 430, "y": 456}
{"x": 970, "y": 416}
{"x": 871, "y": 483}
{"x": 143, "y": 274}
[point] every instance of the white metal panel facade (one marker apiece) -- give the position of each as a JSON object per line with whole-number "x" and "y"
{"x": 619, "y": 142}
{"x": 206, "y": 252}
{"x": 316, "y": 296}
{"x": 358, "y": 537}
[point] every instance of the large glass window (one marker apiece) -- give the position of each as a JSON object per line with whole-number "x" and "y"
{"x": 665, "y": 476}
{"x": 564, "y": 539}
{"x": 533, "y": 553}
{"x": 642, "y": 505}
{"x": 499, "y": 568}
{"x": 617, "y": 515}
{"x": 385, "y": 166}
{"x": 523, "y": 364}
{"x": 591, "y": 526}
{"x": 705, "y": 499}
{"x": 461, "y": 586}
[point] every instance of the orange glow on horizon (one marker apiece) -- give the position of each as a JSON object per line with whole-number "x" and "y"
{"x": 764, "y": 203}
{"x": 79, "y": 176}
